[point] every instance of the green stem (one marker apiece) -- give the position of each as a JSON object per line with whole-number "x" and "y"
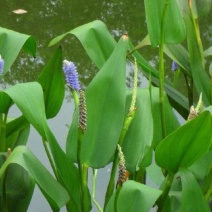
{"x": 111, "y": 183}
{"x": 50, "y": 159}
{"x": 4, "y": 192}
{"x": 207, "y": 187}
{"x": 161, "y": 71}
{"x": 162, "y": 198}
{"x": 197, "y": 34}
{"x": 94, "y": 191}
{"x": 3, "y": 121}
{"x": 189, "y": 86}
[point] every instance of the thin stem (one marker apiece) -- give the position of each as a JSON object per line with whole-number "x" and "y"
{"x": 161, "y": 71}
{"x": 111, "y": 183}
{"x": 165, "y": 192}
{"x": 189, "y": 86}
{"x": 207, "y": 187}
{"x": 94, "y": 190}
{"x": 4, "y": 192}
{"x": 50, "y": 158}
{"x": 197, "y": 33}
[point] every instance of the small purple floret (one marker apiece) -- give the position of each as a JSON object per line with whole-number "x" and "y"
{"x": 1, "y": 65}
{"x": 71, "y": 74}
{"x": 174, "y": 66}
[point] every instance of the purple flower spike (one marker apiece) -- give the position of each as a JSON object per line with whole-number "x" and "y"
{"x": 1, "y": 65}
{"x": 174, "y": 66}
{"x": 71, "y": 74}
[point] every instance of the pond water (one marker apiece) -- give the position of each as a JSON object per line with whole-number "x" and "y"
{"x": 47, "y": 19}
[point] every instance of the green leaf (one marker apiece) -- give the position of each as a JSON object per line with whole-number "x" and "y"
{"x": 105, "y": 98}
{"x": 29, "y": 98}
{"x": 171, "y": 122}
{"x": 208, "y": 52}
{"x": 174, "y": 28}
{"x": 52, "y": 82}
{"x": 200, "y": 77}
{"x": 49, "y": 186}
{"x": 140, "y": 133}
{"x": 134, "y": 196}
{"x": 201, "y": 166}
{"x": 95, "y": 38}
{"x": 5, "y": 102}
{"x": 178, "y": 100}
{"x": 11, "y": 43}
{"x": 191, "y": 192}
{"x": 180, "y": 55}
{"x": 186, "y": 144}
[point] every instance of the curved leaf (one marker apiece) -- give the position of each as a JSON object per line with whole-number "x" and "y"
{"x": 174, "y": 28}
{"x": 140, "y": 133}
{"x": 171, "y": 122}
{"x": 105, "y": 98}
{"x": 191, "y": 192}
{"x": 49, "y": 186}
{"x": 95, "y": 38}
{"x": 52, "y": 81}
{"x": 186, "y": 144}
{"x": 16, "y": 41}
{"x": 134, "y": 196}
{"x": 29, "y": 98}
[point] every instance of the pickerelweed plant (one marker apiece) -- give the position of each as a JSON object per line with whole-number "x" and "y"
{"x": 134, "y": 130}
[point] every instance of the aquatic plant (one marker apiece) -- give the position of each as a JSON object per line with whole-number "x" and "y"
{"x": 134, "y": 130}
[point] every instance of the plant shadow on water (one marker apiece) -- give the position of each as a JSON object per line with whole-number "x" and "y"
{"x": 124, "y": 121}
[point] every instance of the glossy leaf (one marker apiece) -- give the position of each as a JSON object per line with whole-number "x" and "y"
{"x": 16, "y": 41}
{"x": 49, "y": 186}
{"x": 52, "y": 82}
{"x": 171, "y": 122}
{"x": 134, "y": 196}
{"x": 105, "y": 97}
{"x": 186, "y": 144}
{"x": 200, "y": 77}
{"x": 96, "y": 40}
{"x": 140, "y": 133}
{"x": 191, "y": 192}
{"x": 19, "y": 188}
{"x": 174, "y": 28}
{"x": 29, "y": 98}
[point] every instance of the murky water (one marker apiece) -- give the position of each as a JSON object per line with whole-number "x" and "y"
{"x": 47, "y": 19}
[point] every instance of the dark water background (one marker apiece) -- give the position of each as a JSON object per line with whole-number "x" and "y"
{"x": 45, "y": 20}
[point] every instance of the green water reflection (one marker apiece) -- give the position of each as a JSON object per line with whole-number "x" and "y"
{"x": 47, "y": 19}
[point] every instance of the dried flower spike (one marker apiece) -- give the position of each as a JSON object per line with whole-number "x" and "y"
{"x": 82, "y": 111}
{"x": 1, "y": 65}
{"x": 71, "y": 75}
{"x": 194, "y": 112}
{"x": 123, "y": 173}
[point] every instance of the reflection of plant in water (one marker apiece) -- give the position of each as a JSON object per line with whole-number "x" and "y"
{"x": 112, "y": 123}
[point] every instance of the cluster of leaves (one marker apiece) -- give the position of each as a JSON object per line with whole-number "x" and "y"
{"x": 176, "y": 158}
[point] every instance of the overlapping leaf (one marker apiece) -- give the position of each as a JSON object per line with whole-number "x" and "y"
{"x": 11, "y": 43}
{"x": 95, "y": 38}
{"x": 186, "y": 144}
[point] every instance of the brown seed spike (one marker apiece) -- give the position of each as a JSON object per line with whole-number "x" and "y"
{"x": 82, "y": 111}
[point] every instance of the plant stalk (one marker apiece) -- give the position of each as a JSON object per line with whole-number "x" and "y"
{"x": 162, "y": 198}
{"x": 161, "y": 71}
{"x": 50, "y": 159}
{"x": 111, "y": 183}
{"x": 94, "y": 190}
